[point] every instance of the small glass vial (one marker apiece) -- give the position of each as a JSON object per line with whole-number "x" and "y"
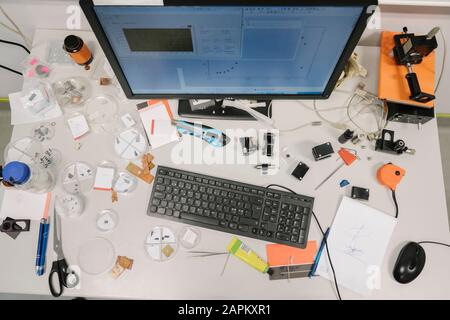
{"x": 78, "y": 51}
{"x": 28, "y": 178}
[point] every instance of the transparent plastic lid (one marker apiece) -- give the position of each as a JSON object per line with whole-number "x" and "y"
{"x": 78, "y": 177}
{"x": 96, "y": 256}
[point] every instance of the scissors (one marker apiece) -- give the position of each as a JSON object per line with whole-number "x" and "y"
{"x": 66, "y": 277}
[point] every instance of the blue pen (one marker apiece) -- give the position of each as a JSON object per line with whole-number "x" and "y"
{"x": 42, "y": 247}
{"x": 319, "y": 253}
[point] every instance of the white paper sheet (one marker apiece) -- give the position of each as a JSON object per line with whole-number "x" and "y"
{"x": 357, "y": 243}
{"x": 104, "y": 178}
{"x": 19, "y": 115}
{"x": 19, "y": 204}
{"x": 78, "y": 126}
{"x": 157, "y": 124}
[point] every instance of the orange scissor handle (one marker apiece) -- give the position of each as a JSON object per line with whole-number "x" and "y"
{"x": 347, "y": 156}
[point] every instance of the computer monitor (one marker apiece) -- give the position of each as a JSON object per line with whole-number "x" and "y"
{"x": 185, "y": 49}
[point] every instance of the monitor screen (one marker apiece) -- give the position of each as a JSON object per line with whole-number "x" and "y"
{"x": 227, "y": 50}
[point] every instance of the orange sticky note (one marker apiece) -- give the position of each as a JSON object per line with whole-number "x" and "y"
{"x": 282, "y": 255}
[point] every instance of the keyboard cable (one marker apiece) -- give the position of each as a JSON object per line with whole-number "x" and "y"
{"x": 323, "y": 234}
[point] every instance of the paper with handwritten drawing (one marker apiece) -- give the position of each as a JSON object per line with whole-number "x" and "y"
{"x": 357, "y": 243}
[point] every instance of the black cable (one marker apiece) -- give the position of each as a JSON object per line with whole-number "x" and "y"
{"x": 434, "y": 242}
{"x": 16, "y": 44}
{"x": 323, "y": 234}
{"x": 395, "y": 202}
{"x": 12, "y": 70}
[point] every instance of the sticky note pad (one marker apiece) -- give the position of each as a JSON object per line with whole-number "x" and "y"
{"x": 282, "y": 255}
{"x": 104, "y": 178}
{"x": 78, "y": 126}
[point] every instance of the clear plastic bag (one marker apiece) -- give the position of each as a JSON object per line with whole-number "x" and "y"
{"x": 37, "y": 97}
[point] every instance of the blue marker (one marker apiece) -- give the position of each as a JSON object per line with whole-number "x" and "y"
{"x": 42, "y": 247}
{"x": 319, "y": 253}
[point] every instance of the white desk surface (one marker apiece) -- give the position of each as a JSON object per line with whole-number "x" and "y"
{"x": 423, "y": 212}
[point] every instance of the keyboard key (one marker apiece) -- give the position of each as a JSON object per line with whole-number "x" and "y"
{"x": 159, "y": 195}
{"x": 282, "y": 236}
{"x": 161, "y": 210}
{"x": 223, "y": 224}
{"x": 250, "y": 222}
{"x": 200, "y": 219}
{"x": 243, "y": 227}
{"x": 233, "y": 225}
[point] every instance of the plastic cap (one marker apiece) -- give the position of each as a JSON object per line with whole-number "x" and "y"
{"x": 16, "y": 172}
{"x": 72, "y": 43}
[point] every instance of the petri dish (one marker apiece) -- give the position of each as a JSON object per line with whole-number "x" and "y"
{"x": 78, "y": 177}
{"x": 107, "y": 220}
{"x": 161, "y": 244}
{"x": 130, "y": 144}
{"x": 72, "y": 92}
{"x": 101, "y": 113}
{"x": 26, "y": 150}
{"x": 189, "y": 237}
{"x": 69, "y": 205}
{"x": 125, "y": 183}
{"x": 96, "y": 256}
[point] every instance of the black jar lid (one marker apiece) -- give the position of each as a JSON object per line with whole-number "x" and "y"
{"x": 72, "y": 43}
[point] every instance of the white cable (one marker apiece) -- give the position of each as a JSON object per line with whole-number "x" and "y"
{"x": 257, "y": 115}
{"x": 444, "y": 57}
{"x": 18, "y": 31}
{"x": 313, "y": 123}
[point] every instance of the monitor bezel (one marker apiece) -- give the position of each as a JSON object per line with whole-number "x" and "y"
{"x": 88, "y": 8}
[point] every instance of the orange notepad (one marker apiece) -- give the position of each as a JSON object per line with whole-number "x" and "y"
{"x": 393, "y": 85}
{"x": 282, "y": 255}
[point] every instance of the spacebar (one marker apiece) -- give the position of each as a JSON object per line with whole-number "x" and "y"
{"x": 206, "y": 220}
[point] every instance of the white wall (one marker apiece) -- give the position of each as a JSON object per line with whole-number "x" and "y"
{"x": 32, "y": 14}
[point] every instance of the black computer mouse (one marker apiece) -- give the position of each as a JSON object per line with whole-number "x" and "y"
{"x": 410, "y": 262}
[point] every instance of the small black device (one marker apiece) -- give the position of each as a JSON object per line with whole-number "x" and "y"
{"x": 231, "y": 206}
{"x": 347, "y": 135}
{"x": 360, "y": 193}
{"x": 398, "y": 112}
{"x": 322, "y": 151}
{"x": 410, "y": 49}
{"x": 300, "y": 170}
{"x": 387, "y": 144}
{"x": 410, "y": 263}
{"x": 13, "y": 227}
{"x": 269, "y": 141}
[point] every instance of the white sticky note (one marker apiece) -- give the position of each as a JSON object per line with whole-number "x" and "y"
{"x": 104, "y": 178}
{"x": 18, "y": 204}
{"x": 78, "y": 126}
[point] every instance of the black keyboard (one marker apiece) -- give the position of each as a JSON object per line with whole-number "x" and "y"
{"x": 231, "y": 206}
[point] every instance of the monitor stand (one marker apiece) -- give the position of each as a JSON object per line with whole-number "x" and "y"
{"x": 217, "y": 111}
